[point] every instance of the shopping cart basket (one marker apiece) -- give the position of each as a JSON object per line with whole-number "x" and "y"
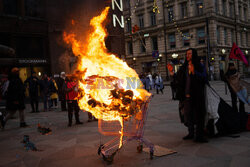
{"x": 133, "y": 130}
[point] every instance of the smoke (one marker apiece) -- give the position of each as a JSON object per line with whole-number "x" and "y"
{"x": 77, "y": 20}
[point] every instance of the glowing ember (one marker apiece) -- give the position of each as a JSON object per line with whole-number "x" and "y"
{"x": 109, "y": 88}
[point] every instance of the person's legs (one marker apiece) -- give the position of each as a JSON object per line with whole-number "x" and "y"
{"x": 234, "y": 101}
{"x": 8, "y": 116}
{"x": 188, "y": 119}
{"x": 50, "y": 102}
{"x": 32, "y": 103}
{"x": 200, "y": 128}
{"x": 37, "y": 104}
{"x": 172, "y": 90}
{"x": 242, "y": 106}
{"x": 70, "y": 112}
{"x": 21, "y": 116}
{"x": 55, "y": 101}
{"x": 45, "y": 100}
{"x": 63, "y": 105}
{"x": 157, "y": 90}
{"x": 89, "y": 117}
{"x": 76, "y": 109}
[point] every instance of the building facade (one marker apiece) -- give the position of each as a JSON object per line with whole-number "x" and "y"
{"x": 31, "y": 34}
{"x": 24, "y": 29}
{"x": 163, "y": 36}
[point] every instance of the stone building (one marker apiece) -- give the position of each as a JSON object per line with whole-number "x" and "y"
{"x": 210, "y": 26}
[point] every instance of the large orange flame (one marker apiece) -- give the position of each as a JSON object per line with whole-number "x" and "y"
{"x": 103, "y": 72}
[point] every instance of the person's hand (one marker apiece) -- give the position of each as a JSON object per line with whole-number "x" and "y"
{"x": 191, "y": 68}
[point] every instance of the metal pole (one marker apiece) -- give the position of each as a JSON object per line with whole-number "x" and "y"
{"x": 236, "y": 34}
{"x": 165, "y": 40}
{"x": 208, "y": 48}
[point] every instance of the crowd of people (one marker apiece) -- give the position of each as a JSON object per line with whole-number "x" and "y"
{"x": 187, "y": 85}
{"x": 151, "y": 82}
{"x": 48, "y": 88}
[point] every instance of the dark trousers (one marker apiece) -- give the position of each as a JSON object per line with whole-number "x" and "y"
{"x": 157, "y": 90}
{"x": 173, "y": 90}
{"x": 234, "y": 103}
{"x": 73, "y": 107}
{"x": 63, "y": 105}
{"x": 192, "y": 118}
{"x": 34, "y": 103}
{"x": 53, "y": 102}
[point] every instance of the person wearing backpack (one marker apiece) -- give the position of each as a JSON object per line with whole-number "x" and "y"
{"x": 15, "y": 98}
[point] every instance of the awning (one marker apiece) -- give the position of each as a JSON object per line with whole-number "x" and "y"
{"x": 5, "y": 50}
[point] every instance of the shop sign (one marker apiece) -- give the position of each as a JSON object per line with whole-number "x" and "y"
{"x": 31, "y": 61}
{"x": 115, "y": 18}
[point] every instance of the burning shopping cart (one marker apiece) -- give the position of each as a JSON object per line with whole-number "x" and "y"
{"x": 133, "y": 129}
{"x": 109, "y": 89}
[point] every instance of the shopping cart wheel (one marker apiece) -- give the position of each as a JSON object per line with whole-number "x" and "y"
{"x": 151, "y": 154}
{"x": 100, "y": 149}
{"x": 139, "y": 148}
{"x": 108, "y": 159}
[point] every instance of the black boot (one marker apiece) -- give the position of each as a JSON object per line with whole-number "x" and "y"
{"x": 188, "y": 137}
{"x": 2, "y": 121}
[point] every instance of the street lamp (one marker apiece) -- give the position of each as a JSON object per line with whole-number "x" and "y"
{"x": 134, "y": 58}
{"x": 223, "y": 51}
{"x": 246, "y": 51}
{"x": 160, "y": 55}
{"x": 174, "y": 55}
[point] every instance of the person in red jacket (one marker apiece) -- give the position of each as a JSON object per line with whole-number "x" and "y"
{"x": 72, "y": 97}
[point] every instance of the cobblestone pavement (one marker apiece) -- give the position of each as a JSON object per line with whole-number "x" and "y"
{"x": 77, "y": 145}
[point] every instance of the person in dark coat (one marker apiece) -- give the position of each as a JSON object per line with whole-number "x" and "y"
{"x": 45, "y": 91}
{"x": 15, "y": 98}
{"x": 191, "y": 92}
{"x": 62, "y": 91}
{"x": 33, "y": 83}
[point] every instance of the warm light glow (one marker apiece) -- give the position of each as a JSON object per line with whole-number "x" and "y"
{"x": 104, "y": 78}
{"x": 223, "y": 51}
{"x": 174, "y": 55}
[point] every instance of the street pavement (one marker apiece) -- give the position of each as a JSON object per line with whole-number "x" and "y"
{"x": 77, "y": 145}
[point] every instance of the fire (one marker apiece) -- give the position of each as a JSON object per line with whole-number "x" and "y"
{"x": 109, "y": 88}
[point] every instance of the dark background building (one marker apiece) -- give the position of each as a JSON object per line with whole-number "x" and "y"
{"x": 33, "y": 29}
